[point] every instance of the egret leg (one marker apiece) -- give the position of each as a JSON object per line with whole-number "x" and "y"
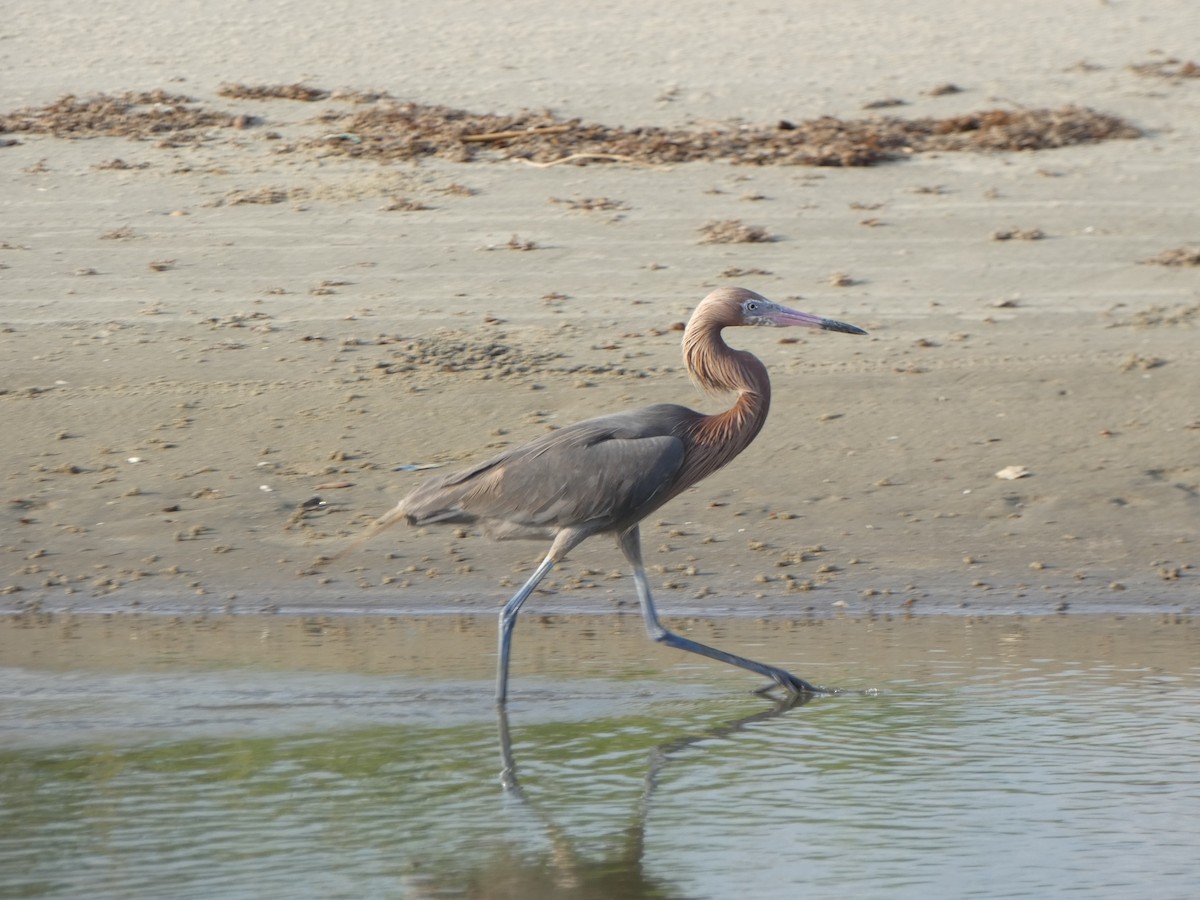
{"x": 508, "y": 618}
{"x": 508, "y": 774}
{"x": 630, "y": 543}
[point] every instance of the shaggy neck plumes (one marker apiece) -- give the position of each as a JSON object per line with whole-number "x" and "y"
{"x": 712, "y": 365}
{"x": 718, "y": 369}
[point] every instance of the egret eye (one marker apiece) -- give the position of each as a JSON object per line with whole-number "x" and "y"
{"x": 751, "y": 306}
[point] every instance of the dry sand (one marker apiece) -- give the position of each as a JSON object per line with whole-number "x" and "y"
{"x": 199, "y": 334}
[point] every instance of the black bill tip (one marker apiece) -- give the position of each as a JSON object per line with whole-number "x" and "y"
{"x": 845, "y": 328}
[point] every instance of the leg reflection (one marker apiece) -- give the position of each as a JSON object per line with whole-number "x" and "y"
{"x": 508, "y": 771}
{"x": 565, "y": 871}
{"x": 619, "y": 873}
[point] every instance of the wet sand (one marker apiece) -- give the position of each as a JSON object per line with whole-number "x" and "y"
{"x": 199, "y": 337}
{"x": 446, "y": 650}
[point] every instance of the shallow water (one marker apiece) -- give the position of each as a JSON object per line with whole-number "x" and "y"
{"x": 238, "y": 756}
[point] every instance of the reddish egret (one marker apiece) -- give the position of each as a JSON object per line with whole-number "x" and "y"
{"x": 605, "y": 475}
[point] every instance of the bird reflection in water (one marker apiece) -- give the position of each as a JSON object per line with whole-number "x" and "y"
{"x": 562, "y": 870}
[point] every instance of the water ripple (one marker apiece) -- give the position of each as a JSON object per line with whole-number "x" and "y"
{"x": 982, "y": 776}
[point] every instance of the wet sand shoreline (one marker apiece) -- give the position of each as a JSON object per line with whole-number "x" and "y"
{"x": 462, "y": 645}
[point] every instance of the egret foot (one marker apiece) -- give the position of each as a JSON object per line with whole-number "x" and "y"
{"x": 792, "y": 685}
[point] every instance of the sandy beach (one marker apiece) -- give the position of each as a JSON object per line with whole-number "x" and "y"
{"x": 227, "y": 347}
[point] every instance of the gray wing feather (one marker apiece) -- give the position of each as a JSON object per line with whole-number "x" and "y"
{"x": 599, "y": 472}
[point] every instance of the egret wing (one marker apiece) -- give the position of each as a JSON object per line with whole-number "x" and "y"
{"x": 599, "y": 472}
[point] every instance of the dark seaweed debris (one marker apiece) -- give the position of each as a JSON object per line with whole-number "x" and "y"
{"x": 135, "y": 114}
{"x": 405, "y": 131}
{"x": 387, "y": 130}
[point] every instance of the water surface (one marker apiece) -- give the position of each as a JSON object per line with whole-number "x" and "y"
{"x": 240, "y": 756}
